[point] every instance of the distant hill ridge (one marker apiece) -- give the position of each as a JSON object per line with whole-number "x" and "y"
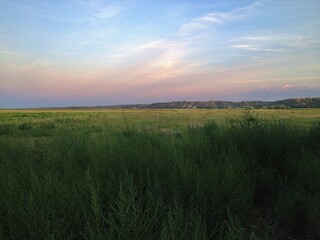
{"x": 287, "y": 103}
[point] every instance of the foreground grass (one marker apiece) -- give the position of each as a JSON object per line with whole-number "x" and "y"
{"x": 158, "y": 175}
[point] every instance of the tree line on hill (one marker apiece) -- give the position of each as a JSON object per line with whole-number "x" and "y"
{"x": 281, "y": 104}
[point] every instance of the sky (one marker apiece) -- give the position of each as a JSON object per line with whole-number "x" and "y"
{"x": 102, "y": 52}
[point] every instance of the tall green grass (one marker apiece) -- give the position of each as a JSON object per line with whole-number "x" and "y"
{"x": 69, "y": 177}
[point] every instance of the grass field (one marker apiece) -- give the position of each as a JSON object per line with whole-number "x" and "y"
{"x": 160, "y": 174}
{"x": 172, "y": 118}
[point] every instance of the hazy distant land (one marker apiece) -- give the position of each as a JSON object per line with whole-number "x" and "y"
{"x": 280, "y": 104}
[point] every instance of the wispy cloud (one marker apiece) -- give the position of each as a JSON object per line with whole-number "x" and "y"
{"x": 163, "y": 58}
{"x": 215, "y": 17}
{"x": 254, "y": 38}
{"x": 190, "y": 27}
{"x": 249, "y": 8}
{"x": 287, "y": 86}
{"x": 269, "y": 43}
{"x": 257, "y": 49}
{"x": 161, "y": 44}
{"x": 171, "y": 56}
{"x": 211, "y": 18}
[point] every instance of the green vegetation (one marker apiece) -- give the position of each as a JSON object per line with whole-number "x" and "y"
{"x": 160, "y": 174}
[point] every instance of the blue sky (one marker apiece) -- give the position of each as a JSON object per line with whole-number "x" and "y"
{"x": 100, "y": 52}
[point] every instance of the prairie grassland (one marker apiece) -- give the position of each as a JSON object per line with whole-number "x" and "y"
{"x": 159, "y": 117}
{"x": 160, "y": 174}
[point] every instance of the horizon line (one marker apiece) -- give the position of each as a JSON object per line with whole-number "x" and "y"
{"x": 148, "y": 104}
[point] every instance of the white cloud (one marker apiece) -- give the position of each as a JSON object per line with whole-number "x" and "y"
{"x": 254, "y": 38}
{"x": 215, "y": 17}
{"x": 160, "y": 44}
{"x": 249, "y": 8}
{"x": 164, "y": 58}
{"x": 287, "y": 86}
{"x": 242, "y": 46}
{"x": 211, "y": 18}
{"x": 190, "y": 27}
{"x": 275, "y": 42}
{"x": 258, "y": 49}
{"x": 169, "y": 55}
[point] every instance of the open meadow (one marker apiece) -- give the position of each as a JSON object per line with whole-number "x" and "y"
{"x": 160, "y": 174}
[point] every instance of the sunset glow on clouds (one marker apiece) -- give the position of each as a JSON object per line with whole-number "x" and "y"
{"x": 101, "y": 52}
